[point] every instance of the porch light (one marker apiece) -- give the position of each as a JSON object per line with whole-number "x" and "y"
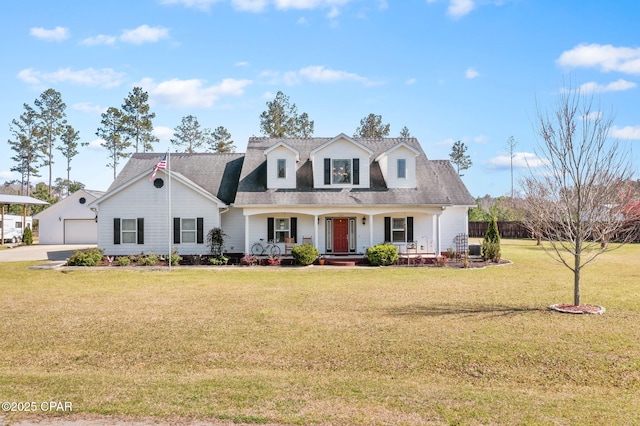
{"x": 364, "y": 220}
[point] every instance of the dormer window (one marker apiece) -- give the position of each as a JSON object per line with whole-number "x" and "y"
{"x": 282, "y": 168}
{"x": 341, "y": 171}
{"x": 402, "y": 168}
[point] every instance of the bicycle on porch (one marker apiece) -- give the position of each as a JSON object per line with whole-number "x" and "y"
{"x": 271, "y": 248}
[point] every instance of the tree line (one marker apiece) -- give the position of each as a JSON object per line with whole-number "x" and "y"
{"x": 43, "y": 129}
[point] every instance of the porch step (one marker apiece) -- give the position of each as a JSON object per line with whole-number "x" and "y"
{"x": 340, "y": 262}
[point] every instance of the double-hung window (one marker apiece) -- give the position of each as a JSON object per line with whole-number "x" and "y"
{"x": 398, "y": 230}
{"x": 282, "y": 229}
{"x": 128, "y": 231}
{"x": 188, "y": 230}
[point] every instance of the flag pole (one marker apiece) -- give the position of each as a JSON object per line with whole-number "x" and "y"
{"x": 169, "y": 227}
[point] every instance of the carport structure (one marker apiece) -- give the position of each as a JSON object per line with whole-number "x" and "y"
{"x": 8, "y": 199}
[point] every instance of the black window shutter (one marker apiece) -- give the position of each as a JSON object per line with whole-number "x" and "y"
{"x": 140, "y": 230}
{"x": 116, "y": 230}
{"x": 387, "y": 229}
{"x": 356, "y": 171}
{"x": 270, "y": 226}
{"x": 200, "y": 230}
{"x": 327, "y": 171}
{"x": 176, "y": 230}
{"x": 410, "y": 228}
{"x": 294, "y": 229}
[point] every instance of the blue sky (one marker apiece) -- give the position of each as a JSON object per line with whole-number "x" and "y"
{"x": 469, "y": 70}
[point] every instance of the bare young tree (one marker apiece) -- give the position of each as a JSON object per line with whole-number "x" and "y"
{"x": 580, "y": 201}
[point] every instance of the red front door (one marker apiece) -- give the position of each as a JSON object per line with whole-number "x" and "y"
{"x": 341, "y": 235}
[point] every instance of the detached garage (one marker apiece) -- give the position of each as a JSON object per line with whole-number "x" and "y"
{"x": 70, "y": 221}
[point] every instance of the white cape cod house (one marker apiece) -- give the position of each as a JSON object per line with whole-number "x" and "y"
{"x": 341, "y": 194}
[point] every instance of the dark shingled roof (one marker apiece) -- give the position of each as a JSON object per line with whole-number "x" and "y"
{"x": 437, "y": 182}
{"x": 216, "y": 173}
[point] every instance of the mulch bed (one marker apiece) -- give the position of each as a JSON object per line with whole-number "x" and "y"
{"x": 567, "y": 308}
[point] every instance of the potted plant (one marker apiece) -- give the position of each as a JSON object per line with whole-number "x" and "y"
{"x": 320, "y": 260}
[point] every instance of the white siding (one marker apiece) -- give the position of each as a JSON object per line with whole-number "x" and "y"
{"x": 452, "y": 222}
{"x": 143, "y": 200}
{"x": 273, "y": 181}
{"x": 341, "y": 150}
{"x": 51, "y": 226}
{"x": 233, "y": 227}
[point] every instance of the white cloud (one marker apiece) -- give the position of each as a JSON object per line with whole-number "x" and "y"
{"x": 302, "y": 21}
{"x": 96, "y": 144}
{"x": 605, "y": 57}
{"x": 255, "y": 6}
{"x": 203, "y": 5}
{"x": 595, "y": 115}
{"x": 315, "y": 74}
{"x": 614, "y": 86}
{"x": 627, "y": 132}
{"x": 333, "y": 13}
{"x": 105, "y": 78}
{"x": 521, "y": 160}
{"x": 460, "y": 8}
{"x": 191, "y": 93}
{"x": 56, "y": 34}
{"x": 144, "y": 34}
{"x": 163, "y": 133}
{"x": 88, "y": 107}
{"x": 6, "y": 175}
{"x": 99, "y": 40}
{"x": 471, "y": 73}
{"x": 410, "y": 81}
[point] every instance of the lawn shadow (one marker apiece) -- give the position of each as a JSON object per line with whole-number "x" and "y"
{"x": 468, "y": 310}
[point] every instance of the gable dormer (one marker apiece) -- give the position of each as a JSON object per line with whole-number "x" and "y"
{"x": 398, "y": 166}
{"x": 281, "y": 166}
{"x": 341, "y": 162}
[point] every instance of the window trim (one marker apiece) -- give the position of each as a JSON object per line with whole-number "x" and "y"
{"x": 279, "y": 231}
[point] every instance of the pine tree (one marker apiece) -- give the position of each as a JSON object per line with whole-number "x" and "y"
{"x": 137, "y": 121}
{"x": 281, "y": 120}
{"x": 25, "y": 143}
{"x": 459, "y": 157}
{"x": 491, "y": 242}
{"x": 111, "y": 133}
{"x": 371, "y": 127}
{"x": 51, "y": 117}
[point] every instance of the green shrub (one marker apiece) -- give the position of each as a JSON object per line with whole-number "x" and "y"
{"x": 219, "y": 260}
{"x": 382, "y": 254}
{"x": 27, "y": 236}
{"x": 87, "y": 257}
{"x": 491, "y": 242}
{"x": 175, "y": 258}
{"x": 123, "y": 261}
{"x": 150, "y": 259}
{"x": 304, "y": 254}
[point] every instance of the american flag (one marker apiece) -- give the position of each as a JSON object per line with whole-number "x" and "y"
{"x": 162, "y": 164}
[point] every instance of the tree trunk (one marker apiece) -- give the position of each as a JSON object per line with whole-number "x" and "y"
{"x": 576, "y": 280}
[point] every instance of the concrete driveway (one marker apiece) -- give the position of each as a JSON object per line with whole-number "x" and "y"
{"x": 41, "y": 252}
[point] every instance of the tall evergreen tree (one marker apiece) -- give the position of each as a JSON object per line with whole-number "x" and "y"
{"x": 51, "y": 118}
{"x": 404, "y": 133}
{"x": 25, "y": 143}
{"x": 459, "y": 157}
{"x": 111, "y": 133}
{"x": 219, "y": 140}
{"x": 371, "y": 127}
{"x": 137, "y": 120}
{"x": 281, "y": 119}
{"x": 69, "y": 149}
{"x": 188, "y": 135}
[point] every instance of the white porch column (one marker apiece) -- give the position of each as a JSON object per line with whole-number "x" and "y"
{"x": 370, "y": 230}
{"x": 315, "y": 231}
{"x": 246, "y": 234}
{"x": 438, "y": 238}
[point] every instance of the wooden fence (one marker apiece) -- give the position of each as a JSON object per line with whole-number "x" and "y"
{"x": 517, "y": 230}
{"x": 506, "y": 230}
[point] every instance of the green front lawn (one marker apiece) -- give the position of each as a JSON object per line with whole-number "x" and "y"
{"x": 329, "y": 346}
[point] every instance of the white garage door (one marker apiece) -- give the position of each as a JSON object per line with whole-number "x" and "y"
{"x": 80, "y": 231}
